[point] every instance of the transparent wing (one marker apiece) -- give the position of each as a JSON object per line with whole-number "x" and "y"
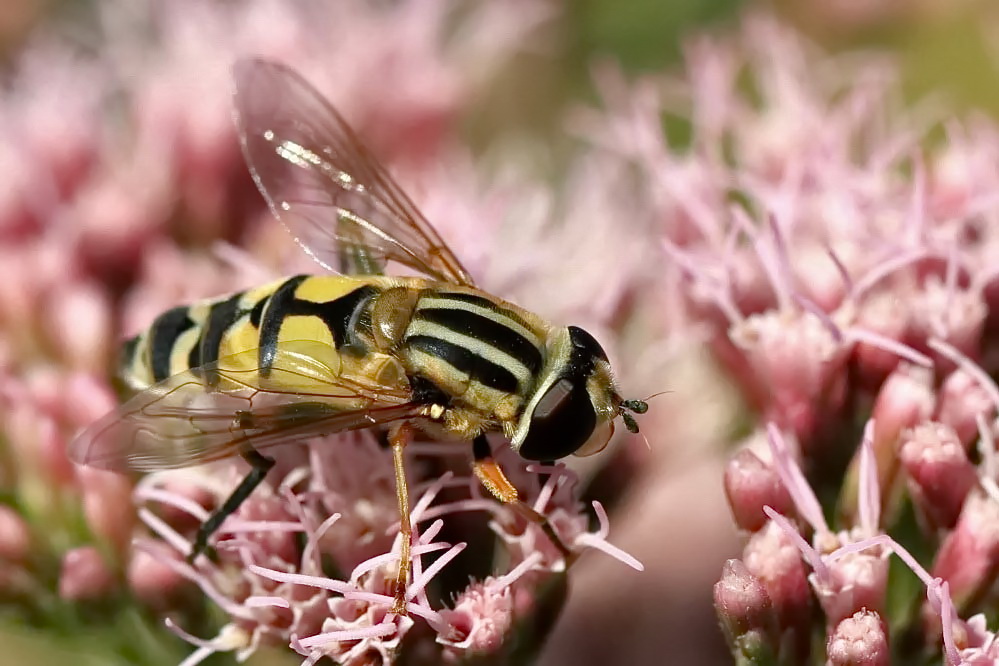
{"x": 322, "y": 183}
{"x": 211, "y": 412}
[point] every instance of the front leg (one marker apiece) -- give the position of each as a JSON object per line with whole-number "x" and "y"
{"x": 488, "y": 471}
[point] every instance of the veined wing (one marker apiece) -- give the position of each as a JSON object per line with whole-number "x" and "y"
{"x": 322, "y": 183}
{"x": 217, "y": 410}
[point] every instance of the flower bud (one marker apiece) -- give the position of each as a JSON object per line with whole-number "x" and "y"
{"x": 85, "y": 575}
{"x": 969, "y": 555}
{"x": 940, "y": 474}
{"x": 742, "y": 602}
{"x": 905, "y": 400}
{"x": 79, "y": 324}
{"x": 92, "y": 399}
{"x": 953, "y": 313}
{"x": 856, "y": 581}
{"x": 15, "y": 538}
{"x": 961, "y": 400}
{"x": 751, "y": 484}
{"x": 153, "y": 582}
{"x": 107, "y": 505}
{"x": 859, "y": 640}
{"x": 885, "y": 314}
{"x": 799, "y": 367}
{"x": 775, "y": 560}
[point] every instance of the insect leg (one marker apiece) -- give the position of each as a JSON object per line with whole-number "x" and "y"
{"x": 259, "y": 466}
{"x": 399, "y": 439}
{"x": 488, "y": 471}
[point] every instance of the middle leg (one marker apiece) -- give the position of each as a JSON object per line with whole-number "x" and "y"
{"x": 398, "y": 441}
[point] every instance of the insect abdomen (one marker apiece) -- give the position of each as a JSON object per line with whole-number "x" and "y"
{"x": 321, "y": 309}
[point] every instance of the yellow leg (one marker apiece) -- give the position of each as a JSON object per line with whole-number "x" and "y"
{"x": 399, "y": 440}
{"x": 492, "y": 477}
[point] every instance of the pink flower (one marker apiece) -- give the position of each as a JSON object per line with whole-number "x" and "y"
{"x": 85, "y": 575}
{"x": 15, "y": 538}
{"x": 940, "y": 474}
{"x": 480, "y": 619}
{"x": 859, "y": 640}
{"x": 744, "y": 605}
{"x": 750, "y": 485}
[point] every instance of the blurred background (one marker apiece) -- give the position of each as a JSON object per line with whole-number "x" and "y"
{"x": 119, "y": 172}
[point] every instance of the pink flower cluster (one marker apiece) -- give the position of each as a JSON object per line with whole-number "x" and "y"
{"x": 125, "y": 194}
{"x": 332, "y": 596}
{"x": 837, "y": 254}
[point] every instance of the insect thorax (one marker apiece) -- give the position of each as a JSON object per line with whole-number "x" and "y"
{"x": 482, "y": 352}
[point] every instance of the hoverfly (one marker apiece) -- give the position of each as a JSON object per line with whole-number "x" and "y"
{"x": 315, "y": 355}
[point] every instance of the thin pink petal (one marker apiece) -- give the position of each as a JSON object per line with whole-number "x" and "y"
{"x": 301, "y": 579}
{"x": 374, "y": 631}
{"x": 804, "y": 498}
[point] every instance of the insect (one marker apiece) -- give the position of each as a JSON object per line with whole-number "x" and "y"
{"x": 430, "y": 356}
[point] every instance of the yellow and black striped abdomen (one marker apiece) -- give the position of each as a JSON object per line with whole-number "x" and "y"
{"x": 323, "y": 309}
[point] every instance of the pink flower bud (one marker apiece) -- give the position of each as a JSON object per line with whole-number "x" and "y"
{"x": 15, "y": 538}
{"x": 79, "y": 325}
{"x": 961, "y": 400}
{"x": 92, "y": 399}
{"x": 742, "y": 602}
{"x": 855, "y": 582}
{"x": 951, "y": 313}
{"x": 882, "y": 313}
{"x": 859, "y": 640}
{"x": 751, "y": 484}
{"x": 798, "y": 365}
{"x": 905, "y": 400}
{"x": 117, "y": 217}
{"x": 969, "y": 555}
{"x": 85, "y": 576}
{"x": 153, "y": 582}
{"x": 775, "y": 560}
{"x": 38, "y": 447}
{"x": 52, "y": 452}
{"x": 107, "y": 504}
{"x": 940, "y": 474}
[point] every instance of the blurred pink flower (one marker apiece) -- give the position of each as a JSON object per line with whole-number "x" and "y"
{"x": 85, "y": 575}
{"x": 128, "y": 195}
{"x": 839, "y": 262}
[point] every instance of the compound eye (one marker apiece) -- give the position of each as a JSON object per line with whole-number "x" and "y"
{"x": 563, "y": 420}
{"x": 586, "y": 343}
{"x": 598, "y": 440}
